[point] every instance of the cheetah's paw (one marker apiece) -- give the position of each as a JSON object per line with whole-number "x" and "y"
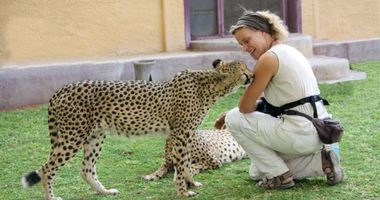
{"x": 195, "y": 184}
{"x": 111, "y": 192}
{"x": 189, "y": 194}
{"x": 151, "y": 177}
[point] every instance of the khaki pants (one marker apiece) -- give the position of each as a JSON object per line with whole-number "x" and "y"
{"x": 276, "y": 145}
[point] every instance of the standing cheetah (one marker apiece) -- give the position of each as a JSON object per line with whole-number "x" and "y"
{"x": 79, "y": 113}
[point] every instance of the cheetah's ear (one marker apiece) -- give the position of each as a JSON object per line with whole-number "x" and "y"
{"x": 216, "y": 62}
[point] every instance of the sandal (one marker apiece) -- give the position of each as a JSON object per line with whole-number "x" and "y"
{"x": 284, "y": 181}
{"x": 330, "y": 165}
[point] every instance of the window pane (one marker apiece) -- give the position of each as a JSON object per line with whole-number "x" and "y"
{"x": 203, "y": 17}
{"x": 233, "y": 9}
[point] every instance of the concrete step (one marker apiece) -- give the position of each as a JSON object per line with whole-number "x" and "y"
{"x": 332, "y": 69}
{"x": 304, "y": 43}
{"x": 353, "y": 50}
{"x": 224, "y": 44}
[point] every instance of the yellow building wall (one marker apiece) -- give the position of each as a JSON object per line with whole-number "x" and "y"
{"x": 341, "y": 19}
{"x": 61, "y": 30}
{"x": 46, "y": 30}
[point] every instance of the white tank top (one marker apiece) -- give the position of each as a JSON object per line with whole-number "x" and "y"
{"x": 294, "y": 80}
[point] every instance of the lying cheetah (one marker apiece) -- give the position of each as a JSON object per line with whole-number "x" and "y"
{"x": 79, "y": 113}
{"x": 220, "y": 145}
{"x": 210, "y": 149}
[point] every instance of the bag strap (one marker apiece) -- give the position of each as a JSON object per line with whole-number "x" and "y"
{"x": 293, "y": 112}
{"x": 310, "y": 99}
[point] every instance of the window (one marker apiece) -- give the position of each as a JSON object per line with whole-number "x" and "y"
{"x": 213, "y": 18}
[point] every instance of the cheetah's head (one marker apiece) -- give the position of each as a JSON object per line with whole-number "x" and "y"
{"x": 236, "y": 70}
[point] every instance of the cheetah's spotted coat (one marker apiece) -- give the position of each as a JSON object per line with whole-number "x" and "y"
{"x": 79, "y": 113}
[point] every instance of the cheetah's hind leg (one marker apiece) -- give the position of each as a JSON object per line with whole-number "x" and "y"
{"x": 62, "y": 151}
{"x": 92, "y": 148}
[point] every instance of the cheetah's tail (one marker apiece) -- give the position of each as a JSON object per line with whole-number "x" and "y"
{"x": 30, "y": 179}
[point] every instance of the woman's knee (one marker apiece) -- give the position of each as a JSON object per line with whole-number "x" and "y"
{"x": 233, "y": 119}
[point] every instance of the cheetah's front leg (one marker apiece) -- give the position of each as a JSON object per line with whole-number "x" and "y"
{"x": 181, "y": 160}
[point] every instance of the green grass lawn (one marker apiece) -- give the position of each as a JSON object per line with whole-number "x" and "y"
{"x": 24, "y": 146}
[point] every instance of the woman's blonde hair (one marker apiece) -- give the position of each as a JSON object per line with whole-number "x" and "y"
{"x": 264, "y": 21}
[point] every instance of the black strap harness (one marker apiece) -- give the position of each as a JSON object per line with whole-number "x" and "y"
{"x": 276, "y": 111}
{"x": 310, "y": 99}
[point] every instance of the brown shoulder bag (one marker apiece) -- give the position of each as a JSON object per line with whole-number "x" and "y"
{"x": 329, "y": 130}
